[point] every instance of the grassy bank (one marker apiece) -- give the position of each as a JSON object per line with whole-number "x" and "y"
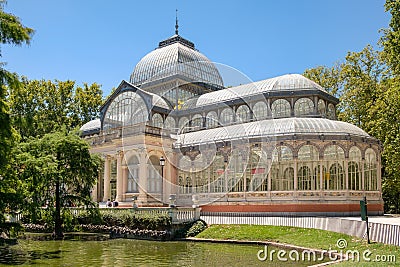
{"x": 310, "y": 238}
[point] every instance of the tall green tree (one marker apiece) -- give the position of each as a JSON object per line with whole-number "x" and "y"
{"x": 87, "y": 102}
{"x": 41, "y": 107}
{"x": 328, "y": 78}
{"x": 390, "y": 40}
{"x": 14, "y": 33}
{"x": 57, "y": 169}
{"x": 361, "y": 74}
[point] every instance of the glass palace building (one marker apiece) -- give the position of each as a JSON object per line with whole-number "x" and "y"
{"x": 272, "y": 146}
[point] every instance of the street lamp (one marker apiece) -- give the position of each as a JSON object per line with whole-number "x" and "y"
{"x": 162, "y": 164}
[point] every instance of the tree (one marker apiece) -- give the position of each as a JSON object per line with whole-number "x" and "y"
{"x": 11, "y": 32}
{"x": 361, "y": 74}
{"x": 57, "y": 169}
{"x": 390, "y": 40}
{"x": 87, "y": 102}
{"x": 328, "y": 78}
{"x": 41, "y": 107}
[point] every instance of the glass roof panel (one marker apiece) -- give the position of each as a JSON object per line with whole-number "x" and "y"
{"x": 270, "y": 128}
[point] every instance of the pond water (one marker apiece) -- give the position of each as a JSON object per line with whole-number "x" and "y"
{"x": 128, "y": 252}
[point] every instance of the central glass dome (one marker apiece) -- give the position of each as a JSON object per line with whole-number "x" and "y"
{"x": 176, "y": 56}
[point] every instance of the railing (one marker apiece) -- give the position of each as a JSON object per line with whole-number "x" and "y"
{"x": 178, "y": 215}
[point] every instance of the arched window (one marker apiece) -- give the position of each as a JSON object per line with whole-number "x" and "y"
{"x": 217, "y": 175}
{"x": 334, "y": 158}
{"x": 260, "y": 111}
{"x": 211, "y": 120}
{"x": 185, "y": 175}
{"x": 157, "y": 120}
{"x": 169, "y": 123}
{"x": 280, "y": 108}
{"x": 334, "y": 180}
{"x": 283, "y": 176}
{"x": 288, "y": 179}
{"x": 354, "y": 168}
{"x": 258, "y": 169}
{"x": 308, "y": 153}
{"x": 154, "y": 178}
{"x": 227, "y": 116}
{"x": 133, "y": 174}
{"x": 243, "y": 114}
{"x": 370, "y": 170}
{"x": 303, "y": 106}
{"x": 304, "y": 178}
{"x": 321, "y": 107}
{"x": 331, "y": 112}
{"x": 308, "y": 160}
{"x": 197, "y": 122}
{"x": 183, "y": 125}
{"x": 128, "y": 108}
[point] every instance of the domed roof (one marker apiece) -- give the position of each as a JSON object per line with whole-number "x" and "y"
{"x": 288, "y": 82}
{"x": 91, "y": 127}
{"x": 270, "y": 129}
{"x": 176, "y": 56}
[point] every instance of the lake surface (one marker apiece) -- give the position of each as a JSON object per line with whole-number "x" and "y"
{"x": 128, "y": 252}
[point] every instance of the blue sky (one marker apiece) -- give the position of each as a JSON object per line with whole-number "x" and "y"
{"x": 101, "y": 41}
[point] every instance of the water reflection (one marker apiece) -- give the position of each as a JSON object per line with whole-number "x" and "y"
{"x": 123, "y": 252}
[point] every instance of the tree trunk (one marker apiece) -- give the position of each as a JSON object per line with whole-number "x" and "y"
{"x": 58, "y": 234}
{"x": 57, "y": 223}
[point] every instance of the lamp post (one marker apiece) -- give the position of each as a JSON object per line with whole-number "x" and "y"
{"x": 162, "y": 164}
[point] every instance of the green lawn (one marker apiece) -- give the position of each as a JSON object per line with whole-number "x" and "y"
{"x": 310, "y": 238}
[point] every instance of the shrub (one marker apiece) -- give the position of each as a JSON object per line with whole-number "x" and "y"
{"x": 196, "y": 228}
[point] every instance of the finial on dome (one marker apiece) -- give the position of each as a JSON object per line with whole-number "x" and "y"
{"x": 176, "y": 22}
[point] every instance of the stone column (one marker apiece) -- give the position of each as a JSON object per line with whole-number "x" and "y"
{"x": 125, "y": 173}
{"x": 107, "y": 178}
{"x": 142, "y": 176}
{"x": 295, "y": 175}
{"x": 363, "y": 176}
{"x": 93, "y": 193}
{"x": 120, "y": 155}
{"x": 379, "y": 175}
{"x": 346, "y": 171}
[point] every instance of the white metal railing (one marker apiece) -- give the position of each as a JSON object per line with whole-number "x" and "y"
{"x": 178, "y": 215}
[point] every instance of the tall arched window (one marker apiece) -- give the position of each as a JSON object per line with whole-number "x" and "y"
{"x": 243, "y": 114}
{"x": 260, "y": 111}
{"x": 334, "y": 158}
{"x": 128, "y": 108}
{"x": 133, "y": 174}
{"x": 183, "y": 125}
{"x": 154, "y": 178}
{"x": 370, "y": 170}
{"x": 157, "y": 120}
{"x": 169, "y": 123}
{"x": 211, "y": 120}
{"x": 218, "y": 174}
{"x": 354, "y": 168}
{"x": 304, "y": 178}
{"x": 258, "y": 169}
{"x": 308, "y": 160}
{"x": 283, "y": 176}
{"x": 227, "y": 116}
{"x": 321, "y": 107}
{"x": 331, "y": 114}
{"x": 303, "y": 106}
{"x": 185, "y": 175}
{"x": 197, "y": 122}
{"x": 280, "y": 108}
{"x": 334, "y": 180}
